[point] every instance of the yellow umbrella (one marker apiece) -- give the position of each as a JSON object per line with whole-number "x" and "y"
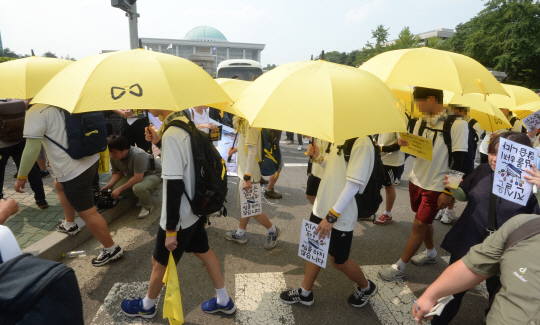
{"x": 24, "y": 78}
{"x": 518, "y": 96}
{"x": 233, "y": 88}
{"x": 432, "y": 68}
{"x": 326, "y": 100}
{"x": 490, "y": 117}
{"x": 135, "y": 79}
{"x": 526, "y": 109}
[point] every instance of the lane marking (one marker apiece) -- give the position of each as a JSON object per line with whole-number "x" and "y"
{"x": 257, "y": 299}
{"x": 295, "y": 165}
{"x": 481, "y": 288}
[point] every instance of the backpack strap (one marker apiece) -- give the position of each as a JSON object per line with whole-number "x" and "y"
{"x": 411, "y": 124}
{"x": 56, "y": 143}
{"x": 347, "y": 148}
{"x": 472, "y": 123}
{"x": 526, "y": 230}
{"x": 492, "y": 215}
{"x": 446, "y": 131}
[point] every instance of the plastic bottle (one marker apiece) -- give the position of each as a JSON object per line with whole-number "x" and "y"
{"x": 74, "y": 254}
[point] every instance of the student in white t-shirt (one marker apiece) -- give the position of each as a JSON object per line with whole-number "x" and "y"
{"x": 201, "y": 118}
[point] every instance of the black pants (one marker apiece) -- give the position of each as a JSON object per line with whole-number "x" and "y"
{"x": 34, "y": 178}
{"x": 134, "y": 133}
{"x": 290, "y": 137}
{"x": 452, "y": 307}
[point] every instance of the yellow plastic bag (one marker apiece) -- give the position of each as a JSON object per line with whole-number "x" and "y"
{"x": 172, "y": 305}
{"x": 103, "y": 166}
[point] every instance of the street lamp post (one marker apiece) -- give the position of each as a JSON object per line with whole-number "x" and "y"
{"x": 130, "y": 7}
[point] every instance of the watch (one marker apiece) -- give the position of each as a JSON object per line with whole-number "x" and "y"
{"x": 331, "y": 218}
{"x": 247, "y": 177}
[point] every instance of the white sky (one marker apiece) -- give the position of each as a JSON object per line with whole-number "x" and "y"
{"x": 291, "y": 29}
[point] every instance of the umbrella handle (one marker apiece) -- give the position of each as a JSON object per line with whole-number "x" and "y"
{"x": 234, "y": 141}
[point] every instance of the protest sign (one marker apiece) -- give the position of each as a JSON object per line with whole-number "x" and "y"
{"x": 508, "y": 183}
{"x": 227, "y": 139}
{"x": 312, "y": 248}
{"x": 215, "y": 134}
{"x": 532, "y": 121}
{"x": 250, "y": 201}
{"x": 418, "y": 146}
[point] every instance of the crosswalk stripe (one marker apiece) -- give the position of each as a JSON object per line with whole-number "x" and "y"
{"x": 481, "y": 288}
{"x": 296, "y": 165}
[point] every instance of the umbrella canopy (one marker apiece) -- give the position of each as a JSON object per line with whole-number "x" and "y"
{"x": 233, "y": 88}
{"x": 135, "y": 79}
{"x": 518, "y": 96}
{"x": 24, "y": 78}
{"x": 425, "y": 67}
{"x": 325, "y": 100}
{"x": 490, "y": 117}
{"x": 526, "y": 109}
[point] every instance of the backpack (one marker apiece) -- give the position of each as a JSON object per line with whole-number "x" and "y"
{"x": 210, "y": 172}
{"x": 86, "y": 134}
{"x": 32, "y": 289}
{"x": 369, "y": 201}
{"x": 270, "y": 153}
{"x": 12, "y": 120}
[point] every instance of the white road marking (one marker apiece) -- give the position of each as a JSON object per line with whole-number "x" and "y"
{"x": 296, "y": 165}
{"x": 481, "y": 288}
{"x": 257, "y": 299}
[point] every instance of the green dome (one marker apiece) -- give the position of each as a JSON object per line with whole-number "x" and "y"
{"x": 205, "y": 33}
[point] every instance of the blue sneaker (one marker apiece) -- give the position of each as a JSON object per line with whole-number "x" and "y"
{"x": 134, "y": 308}
{"x": 211, "y": 306}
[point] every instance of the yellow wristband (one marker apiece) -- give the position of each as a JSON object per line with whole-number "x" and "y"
{"x": 334, "y": 213}
{"x": 21, "y": 177}
{"x": 171, "y": 234}
{"x": 447, "y": 192}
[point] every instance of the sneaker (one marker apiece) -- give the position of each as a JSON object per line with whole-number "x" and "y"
{"x": 448, "y": 217}
{"x": 440, "y": 214}
{"x": 370, "y": 218}
{"x": 134, "y": 308}
{"x": 289, "y": 142}
{"x": 295, "y": 295}
{"x": 263, "y": 181}
{"x": 391, "y": 273}
{"x": 211, "y": 306}
{"x": 106, "y": 257}
{"x": 231, "y": 235}
{"x": 272, "y": 194}
{"x": 383, "y": 219}
{"x": 397, "y": 181}
{"x": 44, "y": 173}
{"x": 423, "y": 258}
{"x": 145, "y": 212}
{"x": 360, "y": 298}
{"x": 300, "y": 147}
{"x": 73, "y": 230}
{"x": 42, "y": 204}
{"x": 271, "y": 241}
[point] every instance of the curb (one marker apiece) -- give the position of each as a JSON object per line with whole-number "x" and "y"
{"x": 54, "y": 245}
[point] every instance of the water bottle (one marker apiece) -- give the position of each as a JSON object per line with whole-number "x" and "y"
{"x": 74, "y": 254}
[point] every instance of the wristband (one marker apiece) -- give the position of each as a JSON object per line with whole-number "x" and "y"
{"x": 334, "y": 213}
{"x": 22, "y": 177}
{"x": 447, "y": 192}
{"x": 171, "y": 234}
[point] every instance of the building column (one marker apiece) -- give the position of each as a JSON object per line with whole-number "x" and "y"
{"x": 159, "y": 48}
{"x": 244, "y": 54}
{"x": 259, "y": 56}
{"x": 194, "y": 49}
{"x": 227, "y": 53}
{"x": 177, "y": 50}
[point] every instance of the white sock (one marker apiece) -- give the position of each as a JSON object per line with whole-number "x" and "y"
{"x": 432, "y": 252}
{"x": 148, "y": 303}
{"x": 304, "y": 292}
{"x": 222, "y": 296}
{"x": 401, "y": 265}
{"x": 387, "y": 213}
{"x": 111, "y": 249}
{"x": 367, "y": 288}
{"x": 449, "y": 210}
{"x": 272, "y": 229}
{"x": 240, "y": 232}
{"x": 68, "y": 225}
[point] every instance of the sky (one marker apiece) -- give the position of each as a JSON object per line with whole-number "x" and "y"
{"x": 292, "y": 30}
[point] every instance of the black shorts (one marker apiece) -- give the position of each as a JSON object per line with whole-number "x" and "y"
{"x": 190, "y": 240}
{"x": 312, "y": 185}
{"x": 390, "y": 175}
{"x": 79, "y": 191}
{"x": 340, "y": 242}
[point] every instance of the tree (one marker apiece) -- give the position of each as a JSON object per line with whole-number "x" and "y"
{"x": 380, "y": 35}
{"x": 406, "y": 39}
{"x": 49, "y": 54}
{"x": 7, "y": 53}
{"x": 267, "y": 68}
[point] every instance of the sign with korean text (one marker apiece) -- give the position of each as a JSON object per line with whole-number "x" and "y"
{"x": 250, "y": 201}
{"x": 418, "y": 146}
{"x": 532, "y": 121}
{"x": 312, "y": 248}
{"x": 227, "y": 141}
{"x": 215, "y": 134}
{"x": 512, "y": 160}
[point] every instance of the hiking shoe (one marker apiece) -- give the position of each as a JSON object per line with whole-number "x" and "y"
{"x": 231, "y": 235}
{"x": 211, "y": 306}
{"x": 44, "y": 173}
{"x": 271, "y": 241}
{"x": 391, "y": 273}
{"x": 272, "y": 194}
{"x": 423, "y": 258}
{"x": 42, "y": 204}
{"x": 73, "y": 230}
{"x": 145, "y": 212}
{"x": 448, "y": 217}
{"x": 134, "y": 308}
{"x": 440, "y": 214}
{"x": 300, "y": 147}
{"x": 383, "y": 219}
{"x": 289, "y": 142}
{"x": 263, "y": 181}
{"x": 360, "y": 298}
{"x": 295, "y": 295}
{"x": 106, "y": 257}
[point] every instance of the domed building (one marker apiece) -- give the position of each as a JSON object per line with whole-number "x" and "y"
{"x": 205, "y": 41}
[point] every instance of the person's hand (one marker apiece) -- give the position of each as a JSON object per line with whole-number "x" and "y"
{"x": 116, "y": 193}
{"x": 212, "y": 126}
{"x": 443, "y": 201}
{"x": 324, "y": 229}
{"x": 492, "y": 134}
{"x": 151, "y": 134}
{"x": 247, "y": 185}
{"x": 127, "y": 113}
{"x": 19, "y": 185}
{"x": 106, "y": 187}
{"x": 402, "y": 142}
{"x": 313, "y": 151}
{"x": 232, "y": 151}
{"x": 7, "y": 209}
{"x": 171, "y": 243}
{"x": 446, "y": 182}
{"x": 532, "y": 133}
{"x": 534, "y": 175}
{"x": 424, "y": 306}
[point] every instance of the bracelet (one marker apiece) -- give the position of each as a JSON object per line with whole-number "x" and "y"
{"x": 319, "y": 160}
{"x": 22, "y": 177}
{"x": 171, "y": 234}
{"x": 447, "y": 192}
{"x": 334, "y": 213}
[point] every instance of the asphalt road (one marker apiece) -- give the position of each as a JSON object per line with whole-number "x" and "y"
{"x": 254, "y": 276}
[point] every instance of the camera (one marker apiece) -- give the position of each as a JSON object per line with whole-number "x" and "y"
{"x": 104, "y": 200}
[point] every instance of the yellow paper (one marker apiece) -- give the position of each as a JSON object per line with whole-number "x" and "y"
{"x": 418, "y": 146}
{"x": 172, "y": 305}
{"x": 103, "y": 166}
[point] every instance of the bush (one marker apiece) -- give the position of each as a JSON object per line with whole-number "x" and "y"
{"x": 2, "y": 59}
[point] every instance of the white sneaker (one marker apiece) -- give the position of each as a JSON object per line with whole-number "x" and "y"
{"x": 440, "y": 214}
{"x": 448, "y": 217}
{"x": 300, "y": 148}
{"x": 144, "y": 212}
{"x": 423, "y": 258}
{"x": 391, "y": 273}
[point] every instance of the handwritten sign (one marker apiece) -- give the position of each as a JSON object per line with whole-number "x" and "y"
{"x": 532, "y": 121}
{"x": 312, "y": 248}
{"x": 513, "y": 158}
{"x": 418, "y": 146}
{"x": 250, "y": 201}
{"x": 215, "y": 134}
{"x": 223, "y": 146}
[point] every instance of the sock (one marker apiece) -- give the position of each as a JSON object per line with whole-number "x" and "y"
{"x": 449, "y": 210}
{"x": 148, "y": 303}
{"x": 111, "y": 249}
{"x": 272, "y": 229}
{"x": 68, "y": 225}
{"x": 222, "y": 296}
{"x": 401, "y": 265}
{"x": 240, "y": 232}
{"x": 304, "y": 292}
{"x": 367, "y": 288}
{"x": 387, "y": 213}
{"x": 432, "y": 252}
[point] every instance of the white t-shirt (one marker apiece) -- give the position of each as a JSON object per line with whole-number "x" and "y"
{"x": 9, "y": 248}
{"x": 429, "y": 175}
{"x": 177, "y": 163}
{"x": 396, "y": 158}
{"x": 336, "y": 173}
{"x": 316, "y": 169}
{"x": 487, "y": 139}
{"x": 203, "y": 118}
{"x": 248, "y": 136}
{"x": 49, "y": 120}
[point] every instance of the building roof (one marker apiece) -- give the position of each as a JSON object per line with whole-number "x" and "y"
{"x": 205, "y": 33}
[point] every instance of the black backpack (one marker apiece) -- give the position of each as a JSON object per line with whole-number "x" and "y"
{"x": 270, "y": 153}
{"x": 32, "y": 290}
{"x": 210, "y": 172}
{"x": 513, "y": 121}
{"x": 12, "y": 120}
{"x": 369, "y": 201}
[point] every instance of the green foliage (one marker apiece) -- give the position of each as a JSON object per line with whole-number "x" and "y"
{"x": 7, "y": 53}
{"x": 406, "y": 40}
{"x": 49, "y": 54}
{"x": 267, "y": 68}
{"x": 4, "y": 59}
{"x": 380, "y": 34}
